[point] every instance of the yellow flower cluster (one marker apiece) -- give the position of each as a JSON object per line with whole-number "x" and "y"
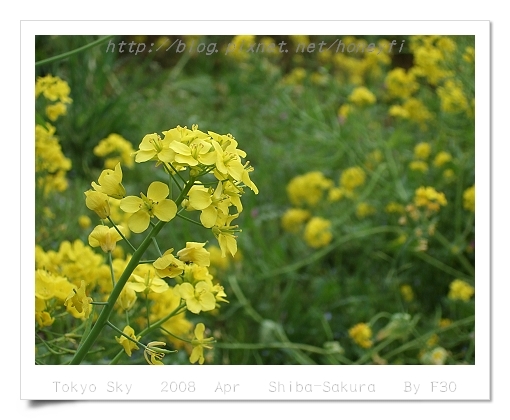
{"x": 361, "y": 334}
{"x": 469, "y": 199}
{"x": 356, "y": 66}
{"x": 418, "y": 166}
{"x": 401, "y": 84}
{"x": 53, "y": 290}
{"x": 317, "y": 232}
{"x": 118, "y": 150}
{"x": 435, "y": 356}
{"x": 308, "y": 189}
{"x": 442, "y": 158}
{"x": 407, "y": 292}
{"x": 394, "y": 207}
{"x": 51, "y": 165}
{"x": 53, "y": 89}
{"x": 429, "y": 198}
{"x": 238, "y": 47}
{"x": 469, "y": 55}
{"x": 179, "y": 150}
{"x": 361, "y": 96}
{"x": 75, "y": 261}
{"x": 412, "y": 109}
{"x": 128, "y": 345}
{"x": 364, "y": 210}
{"x": 431, "y": 60}
{"x": 295, "y": 77}
{"x": 453, "y": 98}
{"x": 352, "y": 178}
{"x": 178, "y": 326}
{"x": 422, "y": 151}
{"x": 460, "y": 290}
{"x": 293, "y": 219}
{"x": 430, "y": 55}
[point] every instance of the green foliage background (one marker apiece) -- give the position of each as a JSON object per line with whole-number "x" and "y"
{"x": 289, "y": 303}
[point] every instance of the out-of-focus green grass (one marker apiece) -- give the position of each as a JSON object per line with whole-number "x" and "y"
{"x": 287, "y": 300}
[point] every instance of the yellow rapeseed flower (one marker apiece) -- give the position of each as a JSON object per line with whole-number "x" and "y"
{"x": 153, "y": 148}
{"x": 117, "y": 148}
{"x": 105, "y": 237}
{"x": 153, "y": 354}
{"x": 418, "y": 166}
{"x": 428, "y": 197}
{"x": 422, "y": 151}
{"x": 147, "y": 284}
{"x": 442, "y": 158}
{"x": 361, "y": 334}
{"x": 84, "y": 221}
{"x": 225, "y": 234}
{"x": 79, "y": 301}
{"x": 361, "y": 96}
{"x": 127, "y": 343}
{"x": 199, "y": 344}
{"x": 168, "y": 266}
{"x": 436, "y": 356}
{"x": 469, "y": 199}
{"x": 407, "y": 292}
{"x": 308, "y": 188}
{"x": 98, "y": 202}
{"x": 111, "y": 183}
{"x": 460, "y": 290}
{"x": 198, "y": 298}
{"x": 452, "y": 96}
{"x": 364, "y": 210}
{"x": 352, "y": 178}
{"x": 293, "y": 219}
{"x": 153, "y": 204}
{"x": 56, "y": 110}
{"x": 401, "y": 84}
{"x": 195, "y": 253}
{"x": 317, "y": 232}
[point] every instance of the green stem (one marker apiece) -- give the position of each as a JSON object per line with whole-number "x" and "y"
{"x": 418, "y": 341}
{"x": 107, "y": 310}
{"x": 178, "y": 338}
{"x": 462, "y": 259}
{"x": 125, "y": 335}
{"x": 162, "y": 320}
{"x": 189, "y": 220}
{"x": 147, "y": 312}
{"x": 295, "y": 346}
{"x": 157, "y": 246}
{"x": 75, "y": 51}
{"x": 116, "y": 359}
{"x": 104, "y": 316}
{"x": 169, "y": 167}
{"x": 111, "y": 268}
{"x": 442, "y": 266}
{"x": 147, "y": 261}
{"x": 121, "y": 234}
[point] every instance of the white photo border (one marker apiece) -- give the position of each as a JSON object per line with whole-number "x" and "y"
{"x": 256, "y": 382}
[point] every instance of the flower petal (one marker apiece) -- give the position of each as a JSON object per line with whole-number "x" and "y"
{"x": 200, "y": 199}
{"x": 139, "y": 221}
{"x": 158, "y": 191}
{"x": 131, "y": 204}
{"x": 208, "y": 217}
{"x": 165, "y": 210}
{"x": 199, "y": 331}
